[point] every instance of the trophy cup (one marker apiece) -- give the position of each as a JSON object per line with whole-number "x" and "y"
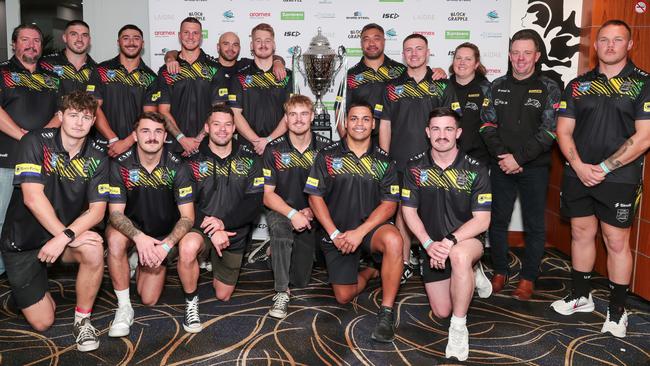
{"x": 319, "y": 72}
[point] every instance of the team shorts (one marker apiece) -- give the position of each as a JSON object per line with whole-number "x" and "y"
{"x": 226, "y": 268}
{"x": 27, "y": 277}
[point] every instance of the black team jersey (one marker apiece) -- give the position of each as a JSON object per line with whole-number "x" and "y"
{"x": 519, "y": 118}
{"x": 30, "y": 99}
{"x": 229, "y": 189}
{"x": 71, "y": 78}
{"x": 260, "y": 96}
{"x": 69, "y": 184}
{"x": 407, "y": 105}
{"x": 470, "y": 98}
{"x": 151, "y": 199}
{"x": 605, "y": 112}
{"x": 287, "y": 169}
{"x": 445, "y": 199}
{"x": 366, "y": 84}
{"x": 124, "y": 93}
{"x": 352, "y": 187}
{"x": 192, "y": 92}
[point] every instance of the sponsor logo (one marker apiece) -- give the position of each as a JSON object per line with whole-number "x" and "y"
{"x": 622, "y": 214}
{"x": 232, "y": 97}
{"x": 457, "y": 16}
{"x": 258, "y": 181}
{"x": 164, "y": 17}
{"x": 394, "y": 189}
{"x": 223, "y": 91}
{"x": 337, "y": 163}
{"x": 563, "y": 104}
{"x": 291, "y": 34}
{"x": 486, "y": 102}
{"x": 203, "y": 167}
{"x": 484, "y": 198}
{"x": 533, "y": 103}
{"x": 420, "y": 17}
{"x": 312, "y": 182}
{"x": 185, "y": 192}
{"x": 114, "y": 191}
{"x": 324, "y": 1}
{"x": 391, "y": 33}
{"x": 491, "y": 54}
{"x": 646, "y": 107}
{"x": 391, "y": 1}
{"x": 259, "y": 14}
{"x": 90, "y": 88}
{"x": 455, "y": 106}
{"x": 266, "y": 172}
{"x": 27, "y": 169}
{"x": 355, "y": 33}
{"x": 406, "y": 193}
{"x": 292, "y": 15}
{"x": 585, "y": 86}
{"x": 285, "y": 158}
{"x": 357, "y": 15}
{"x": 424, "y": 176}
{"x": 535, "y": 91}
{"x": 390, "y": 16}
{"x": 355, "y": 52}
{"x": 198, "y": 15}
{"x": 500, "y": 102}
{"x": 471, "y": 105}
{"x": 204, "y": 33}
{"x": 456, "y": 34}
{"x": 625, "y": 86}
{"x": 451, "y": 53}
{"x": 426, "y": 33}
{"x": 228, "y": 15}
{"x": 155, "y": 96}
{"x": 493, "y": 71}
{"x": 325, "y": 15}
{"x": 491, "y": 35}
{"x": 492, "y": 17}
{"x": 291, "y": 1}
{"x": 164, "y": 34}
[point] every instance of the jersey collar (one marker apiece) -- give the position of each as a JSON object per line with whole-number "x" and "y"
{"x": 58, "y": 145}
{"x": 625, "y": 72}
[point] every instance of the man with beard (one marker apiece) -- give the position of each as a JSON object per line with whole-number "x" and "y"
{"x": 408, "y": 100}
{"x": 28, "y": 85}
{"x": 151, "y": 191}
{"x": 125, "y": 88}
{"x": 257, "y": 97}
{"x": 185, "y": 98}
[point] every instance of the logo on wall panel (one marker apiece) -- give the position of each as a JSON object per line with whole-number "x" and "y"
{"x": 391, "y": 34}
{"x": 292, "y": 15}
{"x": 228, "y": 16}
{"x": 492, "y": 17}
{"x": 197, "y": 15}
{"x": 259, "y": 15}
{"x": 358, "y": 15}
{"x": 456, "y": 34}
{"x": 457, "y": 16}
{"x": 390, "y": 16}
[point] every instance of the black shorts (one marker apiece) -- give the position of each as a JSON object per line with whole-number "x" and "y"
{"x": 429, "y": 274}
{"x": 343, "y": 269}
{"x": 613, "y": 203}
{"x": 27, "y": 277}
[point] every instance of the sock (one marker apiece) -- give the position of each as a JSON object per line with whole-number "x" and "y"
{"x": 81, "y": 314}
{"x": 581, "y": 282}
{"x": 386, "y": 308}
{"x": 458, "y": 321}
{"x": 617, "y": 297}
{"x": 123, "y": 298}
{"x": 189, "y": 296}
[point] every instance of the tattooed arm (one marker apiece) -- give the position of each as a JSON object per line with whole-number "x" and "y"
{"x": 122, "y": 223}
{"x": 633, "y": 147}
{"x": 183, "y": 225}
{"x": 590, "y": 175}
{"x": 145, "y": 244}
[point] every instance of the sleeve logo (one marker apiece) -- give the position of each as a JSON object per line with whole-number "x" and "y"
{"x": 379, "y": 108}
{"x": 646, "y": 107}
{"x": 563, "y": 104}
{"x": 103, "y": 189}
{"x": 394, "y": 189}
{"x": 115, "y": 191}
{"x": 486, "y": 102}
{"x": 27, "y": 169}
{"x": 484, "y": 198}
{"x": 406, "y": 193}
{"x": 267, "y": 173}
{"x": 258, "y": 181}
{"x": 185, "y": 192}
{"x": 232, "y": 97}
{"x": 455, "y": 106}
{"x": 223, "y": 91}
{"x": 312, "y": 182}
{"x": 155, "y": 96}
{"x": 90, "y": 88}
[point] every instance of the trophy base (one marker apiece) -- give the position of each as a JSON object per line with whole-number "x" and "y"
{"x": 321, "y": 125}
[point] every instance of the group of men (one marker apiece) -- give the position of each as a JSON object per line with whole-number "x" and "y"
{"x": 180, "y": 163}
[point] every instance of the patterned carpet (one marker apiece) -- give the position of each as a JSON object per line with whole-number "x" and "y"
{"x": 319, "y": 331}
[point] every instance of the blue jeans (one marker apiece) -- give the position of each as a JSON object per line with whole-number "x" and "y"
{"x": 6, "y": 189}
{"x": 532, "y": 185}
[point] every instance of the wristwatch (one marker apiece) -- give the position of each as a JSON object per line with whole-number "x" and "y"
{"x": 451, "y": 237}
{"x": 70, "y": 234}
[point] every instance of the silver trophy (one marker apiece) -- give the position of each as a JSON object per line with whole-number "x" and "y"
{"x": 319, "y": 69}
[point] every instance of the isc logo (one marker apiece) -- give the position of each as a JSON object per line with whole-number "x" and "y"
{"x": 291, "y": 34}
{"x": 390, "y": 16}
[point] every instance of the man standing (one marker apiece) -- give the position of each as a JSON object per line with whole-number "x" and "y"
{"x": 229, "y": 185}
{"x": 151, "y": 207}
{"x": 518, "y": 128}
{"x": 603, "y": 131}
{"x": 408, "y": 100}
{"x": 353, "y": 192}
{"x": 287, "y": 161}
{"x": 446, "y": 204}
{"x": 185, "y": 98}
{"x": 125, "y": 88}
{"x": 257, "y": 97}
{"x": 61, "y": 180}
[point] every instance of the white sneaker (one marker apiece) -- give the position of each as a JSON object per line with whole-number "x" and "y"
{"x": 458, "y": 343}
{"x": 617, "y": 329}
{"x": 133, "y": 263}
{"x": 483, "y": 285}
{"x": 280, "y": 307}
{"x": 573, "y": 304}
{"x": 122, "y": 322}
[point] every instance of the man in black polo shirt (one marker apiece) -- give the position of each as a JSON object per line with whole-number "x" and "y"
{"x": 257, "y": 97}
{"x": 353, "y": 192}
{"x": 408, "y": 100}
{"x": 229, "y": 186}
{"x": 287, "y": 161}
{"x": 23, "y": 85}
{"x": 61, "y": 190}
{"x": 151, "y": 207}
{"x": 446, "y": 204}
{"x": 125, "y": 87}
{"x": 518, "y": 128}
{"x": 185, "y": 98}
{"x": 603, "y": 131}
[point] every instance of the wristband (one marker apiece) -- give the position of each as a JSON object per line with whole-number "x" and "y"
{"x": 166, "y": 247}
{"x": 179, "y": 137}
{"x": 269, "y": 139}
{"x": 427, "y": 243}
{"x": 452, "y": 238}
{"x": 604, "y": 167}
{"x": 334, "y": 234}
{"x": 114, "y": 139}
{"x": 292, "y": 213}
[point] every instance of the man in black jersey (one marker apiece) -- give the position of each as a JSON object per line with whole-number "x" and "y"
{"x": 151, "y": 207}
{"x": 518, "y": 128}
{"x": 446, "y": 204}
{"x": 61, "y": 189}
{"x": 256, "y": 96}
{"x": 353, "y": 192}
{"x": 185, "y": 98}
{"x": 125, "y": 86}
{"x": 229, "y": 185}
{"x": 603, "y": 131}
{"x": 287, "y": 161}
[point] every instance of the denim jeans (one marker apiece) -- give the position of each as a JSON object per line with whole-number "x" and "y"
{"x": 6, "y": 189}
{"x": 532, "y": 185}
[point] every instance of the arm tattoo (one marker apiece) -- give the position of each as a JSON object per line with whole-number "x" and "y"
{"x": 180, "y": 229}
{"x": 122, "y": 224}
{"x": 612, "y": 162}
{"x": 171, "y": 127}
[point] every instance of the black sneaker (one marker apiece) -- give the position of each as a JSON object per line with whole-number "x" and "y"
{"x": 86, "y": 336}
{"x": 192, "y": 321}
{"x": 385, "y": 329}
{"x": 408, "y": 273}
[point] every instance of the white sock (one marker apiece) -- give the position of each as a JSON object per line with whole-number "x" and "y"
{"x": 123, "y": 298}
{"x": 79, "y": 315}
{"x": 458, "y": 321}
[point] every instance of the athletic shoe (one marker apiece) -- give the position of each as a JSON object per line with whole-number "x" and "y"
{"x": 385, "y": 329}
{"x": 483, "y": 284}
{"x": 192, "y": 321}
{"x": 458, "y": 343}
{"x": 408, "y": 273}
{"x": 413, "y": 258}
{"x": 573, "y": 304}
{"x": 133, "y": 263}
{"x": 280, "y": 306}
{"x": 206, "y": 265}
{"x": 616, "y": 328}
{"x": 87, "y": 337}
{"x": 259, "y": 254}
{"x": 122, "y": 322}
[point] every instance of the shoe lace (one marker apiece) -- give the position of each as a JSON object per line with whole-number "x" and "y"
{"x": 192, "y": 311}
{"x": 572, "y": 296}
{"x": 86, "y": 331}
{"x": 456, "y": 336}
{"x": 122, "y": 314}
{"x": 281, "y": 300}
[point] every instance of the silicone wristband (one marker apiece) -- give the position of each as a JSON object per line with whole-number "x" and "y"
{"x": 334, "y": 234}
{"x": 604, "y": 167}
{"x": 114, "y": 139}
{"x": 427, "y": 243}
{"x": 166, "y": 247}
{"x": 179, "y": 136}
{"x": 291, "y": 213}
